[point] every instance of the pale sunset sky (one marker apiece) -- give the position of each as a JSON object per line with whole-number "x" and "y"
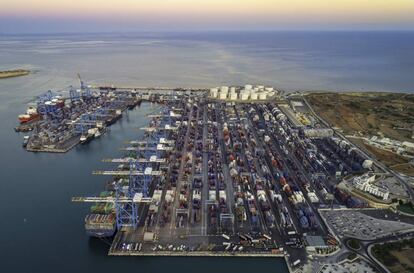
{"x": 31, "y": 16}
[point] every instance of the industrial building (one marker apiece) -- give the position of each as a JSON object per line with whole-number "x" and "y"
{"x": 365, "y": 183}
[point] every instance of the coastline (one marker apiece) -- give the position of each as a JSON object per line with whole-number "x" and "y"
{"x": 13, "y": 73}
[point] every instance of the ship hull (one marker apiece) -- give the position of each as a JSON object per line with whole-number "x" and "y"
{"x": 28, "y": 118}
{"x": 99, "y": 233}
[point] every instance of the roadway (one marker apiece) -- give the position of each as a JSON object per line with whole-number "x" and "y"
{"x": 384, "y": 168}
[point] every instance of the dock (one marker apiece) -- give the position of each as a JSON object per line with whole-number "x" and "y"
{"x": 56, "y": 124}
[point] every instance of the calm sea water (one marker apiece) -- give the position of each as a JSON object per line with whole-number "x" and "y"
{"x": 377, "y": 61}
{"x": 42, "y": 231}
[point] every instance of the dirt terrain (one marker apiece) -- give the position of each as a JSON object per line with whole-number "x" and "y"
{"x": 368, "y": 114}
{"x": 405, "y": 262}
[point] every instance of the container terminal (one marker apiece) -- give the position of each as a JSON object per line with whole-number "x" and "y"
{"x": 58, "y": 123}
{"x": 230, "y": 171}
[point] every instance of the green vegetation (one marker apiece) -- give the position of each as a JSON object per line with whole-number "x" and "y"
{"x": 406, "y": 208}
{"x": 354, "y": 244}
{"x": 370, "y": 114}
{"x": 351, "y": 256}
{"x": 396, "y": 256}
{"x": 13, "y": 73}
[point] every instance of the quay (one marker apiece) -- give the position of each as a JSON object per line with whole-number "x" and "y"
{"x": 196, "y": 254}
{"x": 56, "y": 123}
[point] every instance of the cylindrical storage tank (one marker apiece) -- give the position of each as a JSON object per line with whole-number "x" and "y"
{"x": 269, "y": 88}
{"x": 244, "y": 96}
{"x": 213, "y": 91}
{"x": 232, "y": 89}
{"x": 262, "y": 96}
{"x": 222, "y": 96}
{"x": 224, "y": 89}
{"x": 248, "y": 86}
{"x": 233, "y": 96}
{"x": 260, "y": 87}
{"x": 253, "y": 96}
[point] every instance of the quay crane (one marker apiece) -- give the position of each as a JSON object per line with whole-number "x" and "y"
{"x": 141, "y": 171}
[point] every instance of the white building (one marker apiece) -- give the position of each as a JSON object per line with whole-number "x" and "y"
{"x": 408, "y": 146}
{"x": 365, "y": 184}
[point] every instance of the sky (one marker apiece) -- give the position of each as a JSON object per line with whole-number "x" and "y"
{"x": 33, "y": 16}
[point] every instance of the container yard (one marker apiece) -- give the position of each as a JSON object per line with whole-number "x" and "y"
{"x": 218, "y": 177}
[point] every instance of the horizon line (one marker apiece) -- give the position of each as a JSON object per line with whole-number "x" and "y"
{"x": 165, "y": 31}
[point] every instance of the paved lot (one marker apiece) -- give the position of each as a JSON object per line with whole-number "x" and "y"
{"x": 359, "y": 266}
{"x": 351, "y": 223}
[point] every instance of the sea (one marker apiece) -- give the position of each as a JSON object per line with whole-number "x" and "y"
{"x": 42, "y": 231}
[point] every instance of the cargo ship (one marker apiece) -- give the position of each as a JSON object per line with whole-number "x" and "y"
{"x": 93, "y": 132}
{"x": 101, "y": 222}
{"x": 31, "y": 114}
{"x": 100, "y": 225}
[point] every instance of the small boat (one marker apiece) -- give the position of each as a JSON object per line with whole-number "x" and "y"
{"x": 85, "y": 138}
{"x": 25, "y": 141}
{"x": 97, "y": 134}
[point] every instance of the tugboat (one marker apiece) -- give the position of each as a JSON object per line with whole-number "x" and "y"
{"x": 85, "y": 139}
{"x": 25, "y": 141}
{"x": 97, "y": 134}
{"x": 31, "y": 114}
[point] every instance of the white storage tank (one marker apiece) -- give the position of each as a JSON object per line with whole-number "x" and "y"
{"x": 232, "y": 89}
{"x": 244, "y": 96}
{"x": 223, "y": 96}
{"x": 248, "y": 86}
{"x": 233, "y": 96}
{"x": 213, "y": 92}
{"x": 253, "y": 96}
{"x": 260, "y": 87}
{"x": 269, "y": 89}
{"x": 224, "y": 89}
{"x": 262, "y": 96}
